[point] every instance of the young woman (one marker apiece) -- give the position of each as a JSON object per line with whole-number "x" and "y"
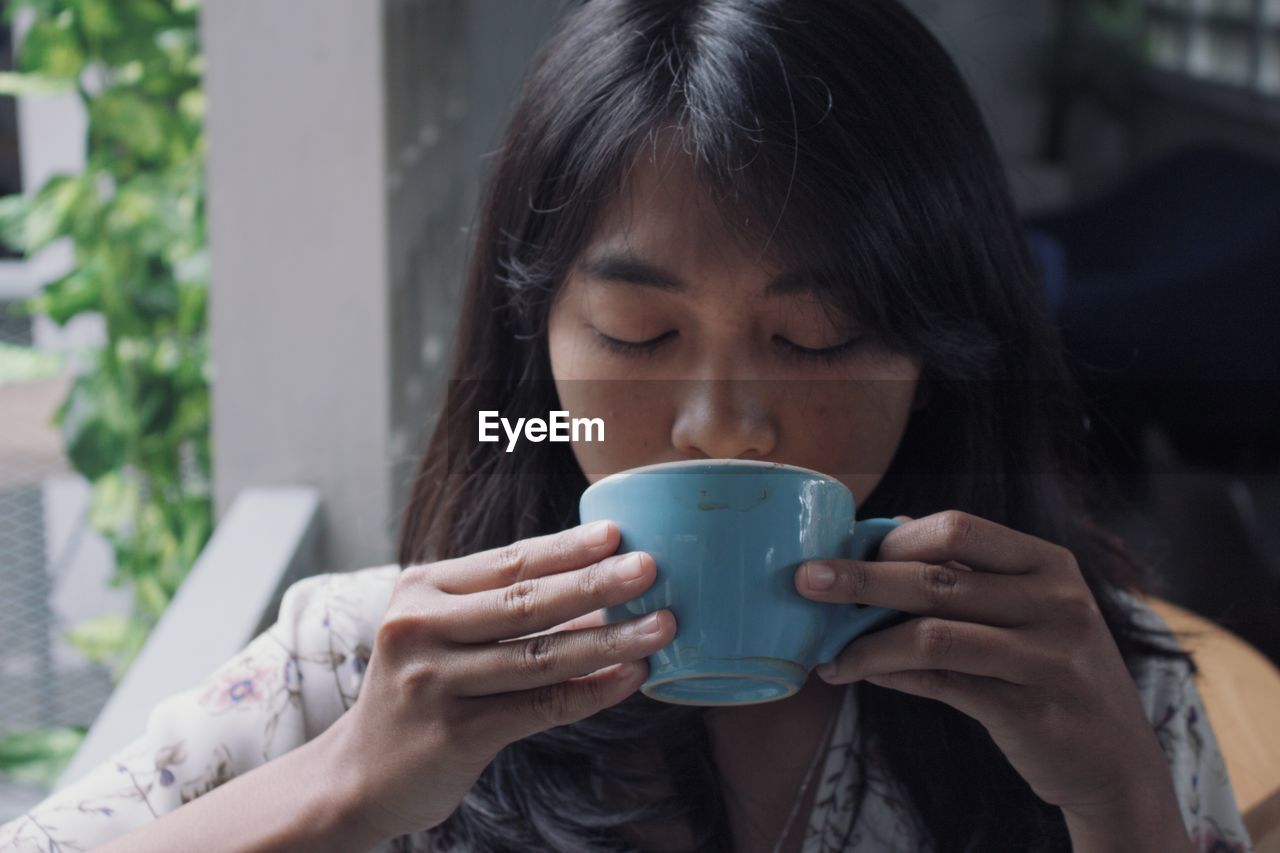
{"x": 734, "y": 229}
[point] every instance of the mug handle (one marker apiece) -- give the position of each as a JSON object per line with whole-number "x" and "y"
{"x": 853, "y": 620}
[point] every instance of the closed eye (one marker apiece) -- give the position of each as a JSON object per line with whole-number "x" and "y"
{"x": 633, "y": 347}
{"x": 792, "y": 349}
{"x": 824, "y": 355}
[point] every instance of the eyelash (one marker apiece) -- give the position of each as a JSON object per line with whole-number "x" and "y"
{"x": 828, "y": 355}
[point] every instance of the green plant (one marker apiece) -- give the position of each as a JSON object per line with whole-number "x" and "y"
{"x": 37, "y": 756}
{"x": 136, "y": 419}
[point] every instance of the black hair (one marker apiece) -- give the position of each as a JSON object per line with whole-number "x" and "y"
{"x": 847, "y": 133}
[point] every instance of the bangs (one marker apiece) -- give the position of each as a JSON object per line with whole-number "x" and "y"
{"x": 817, "y": 159}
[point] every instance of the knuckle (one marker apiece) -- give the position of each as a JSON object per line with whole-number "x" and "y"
{"x": 955, "y": 528}
{"x": 397, "y": 631}
{"x": 594, "y": 582}
{"x": 1075, "y": 605}
{"x": 537, "y": 654}
{"x": 422, "y": 678}
{"x": 617, "y": 638}
{"x": 510, "y": 562}
{"x": 413, "y": 582}
{"x": 411, "y": 576}
{"x": 935, "y": 680}
{"x": 1066, "y": 559}
{"x": 593, "y": 693}
{"x": 855, "y": 578}
{"x": 566, "y": 545}
{"x": 613, "y": 639}
{"x": 934, "y": 640}
{"x": 520, "y": 602}
{"x": 939, "y": 582}
{"x": 550, "y": 705}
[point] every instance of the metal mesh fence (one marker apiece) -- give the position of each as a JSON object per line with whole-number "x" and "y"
{"x": 43, "y": 681}
{"x": 13, "y": 328}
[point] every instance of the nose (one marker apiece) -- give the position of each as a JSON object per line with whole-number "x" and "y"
{"x": 724, "y": 419}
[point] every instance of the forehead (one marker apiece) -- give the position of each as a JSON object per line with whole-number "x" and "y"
{"x": 663, "y": 211}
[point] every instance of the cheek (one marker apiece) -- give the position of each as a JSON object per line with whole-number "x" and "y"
{"x": 637, "y": 422}
{"x": 851, "y": 430}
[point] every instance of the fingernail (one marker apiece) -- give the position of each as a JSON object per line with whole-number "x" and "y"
{"x": 629, "y": 568}
{"x": 826, "y": 671}
{"x": 819, "y": 575}
{"x": 648, "y": 625}
{"x": 596, "y": 534}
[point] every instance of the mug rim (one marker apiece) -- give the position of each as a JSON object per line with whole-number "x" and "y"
{"x": 726, "y": 463}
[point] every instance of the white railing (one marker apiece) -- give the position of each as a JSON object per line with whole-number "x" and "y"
{"x": 266, "y": 541}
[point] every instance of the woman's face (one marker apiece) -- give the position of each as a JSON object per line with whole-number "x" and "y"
{"x": 717, "y": 370}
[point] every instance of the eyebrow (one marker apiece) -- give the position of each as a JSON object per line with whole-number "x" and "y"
{"x": 626, "y": 268}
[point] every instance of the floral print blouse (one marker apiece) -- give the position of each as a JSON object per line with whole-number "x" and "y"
{"x": 295, "y": 679}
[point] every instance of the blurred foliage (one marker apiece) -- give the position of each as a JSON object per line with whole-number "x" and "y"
{"x": 136, "y": 419}
{"x": 38, "y": 756}
{"x": 26, "y": 364}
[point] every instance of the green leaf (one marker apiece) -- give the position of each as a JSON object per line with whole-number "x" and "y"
{"x": 154, "y": 295}
{"x": 100, "y": 639}
{"x": 38, "y": 756}
{"x": 13, "y": 219}
{"x": 97, "y": 20}
{"x": 196, "y": 519}
{"x": 50, "y": 214}
{"x": 192, "y": 105}
{"x": 123, "y": 119}
{"x": 76, "y": 292}
{"x": 95, "y": 422}
{"x": 115, "y": 504}
{"x": 29, "y": 85}
{"x": 50, "y": 48}
{"x": 28, "y": 224}
{"x": 152, "y": 596}
{"x": 153, "y": 218}
{"x": 134, "y": 640}
{"x": 192, "y": 417}
{"x": 137, "y": 421}
{"x": 113, "y": 640}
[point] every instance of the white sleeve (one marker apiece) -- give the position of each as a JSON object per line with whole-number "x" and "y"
{"x": 1173, "y": 704}
{"x": 285, "y": 687}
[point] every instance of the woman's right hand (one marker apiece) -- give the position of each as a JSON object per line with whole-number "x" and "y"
{"x": 463, "y": 664}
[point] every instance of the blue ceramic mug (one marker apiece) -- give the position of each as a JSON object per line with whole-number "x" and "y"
{"x": 727, "y": 536}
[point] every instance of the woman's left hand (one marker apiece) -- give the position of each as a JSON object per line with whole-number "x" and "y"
{"x": 1009, "y": 634}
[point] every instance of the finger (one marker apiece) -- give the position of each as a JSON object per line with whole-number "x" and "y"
{"x": 527, "y": 712}
{"x": 924, "y": 589}
{"x": 553, "y": 658}
{"x": 594, "y": 619}
{"x": 973, "y": 541}
{"x": 930, "y": 643}
{"x": 529, "y": 558}
{"x": 984, "y": 699}
{"x": 534, "y": 605}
